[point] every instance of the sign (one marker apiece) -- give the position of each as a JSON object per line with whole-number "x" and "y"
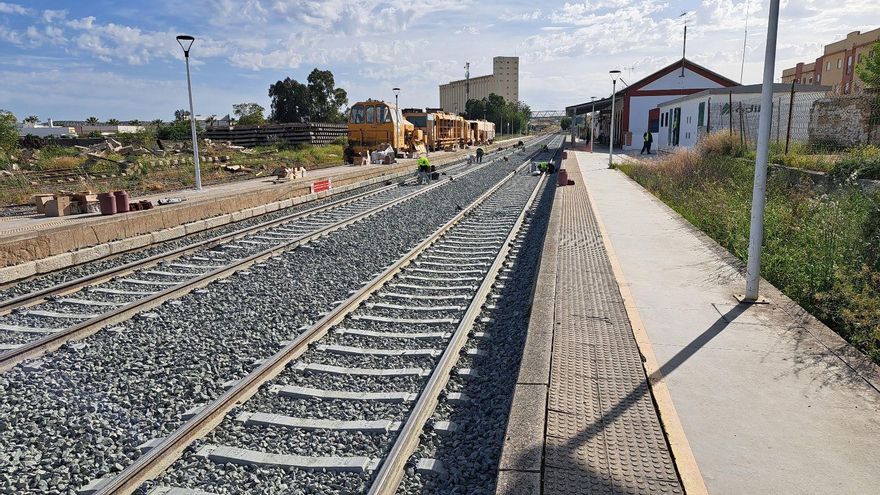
{"x": 321, "y": 185}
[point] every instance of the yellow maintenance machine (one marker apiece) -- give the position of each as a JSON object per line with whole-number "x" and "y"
{"x": 375, "y": 125}
{"x": 442, "y": 130}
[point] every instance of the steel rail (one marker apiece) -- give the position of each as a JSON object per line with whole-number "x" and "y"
{"x": 83, "y": 329}
{"x": 391, "y": 472}
{"x": 156, "y": 460}
{"x": 36, "y": 297}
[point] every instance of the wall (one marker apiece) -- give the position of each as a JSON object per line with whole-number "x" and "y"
{"x": 845, "y": 120}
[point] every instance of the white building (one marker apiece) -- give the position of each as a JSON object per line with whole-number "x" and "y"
{"x": 684, "y": 120}
{"x": 45, "y": 130}
{"x": 504, "y": 82}
{"x": 636, "y": 104}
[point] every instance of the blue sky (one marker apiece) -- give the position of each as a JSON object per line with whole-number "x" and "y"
{"x": 71, "y": 60}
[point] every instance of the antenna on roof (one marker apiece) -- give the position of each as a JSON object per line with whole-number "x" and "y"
{"x": 742, "y": 67}
{"x": 685, "y": 15}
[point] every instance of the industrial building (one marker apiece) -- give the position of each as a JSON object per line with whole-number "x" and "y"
{"x": 636, "y": 109}
{"x": 504, "y": 82}
{"x": 836, "y": 66}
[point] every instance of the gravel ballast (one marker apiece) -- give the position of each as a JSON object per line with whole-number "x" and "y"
{"x": 80, "y": 413}
{"x": 194, "y": 472}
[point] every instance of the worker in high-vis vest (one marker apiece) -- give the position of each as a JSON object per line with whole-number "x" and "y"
{"x": 424, "y": 169}
{"x": 647, "y": 139}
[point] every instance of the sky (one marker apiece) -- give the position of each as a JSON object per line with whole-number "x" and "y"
{"x": 119, "y": 59}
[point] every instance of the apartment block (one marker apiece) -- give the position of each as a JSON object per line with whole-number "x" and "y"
{"x": 836, "y": 67}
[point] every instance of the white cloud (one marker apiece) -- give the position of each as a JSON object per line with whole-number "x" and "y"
{"x": 11, "y": 8}
{"x": 84, "y": 23}
{"x": 532, "y": 15}
{"x": 54, "y": 15}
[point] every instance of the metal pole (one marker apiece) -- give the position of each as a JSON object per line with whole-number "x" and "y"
{"x": 592, "y": 125}
{"x": 611, "y": 142}
{"x": 756, "y": 234}
{"x": 778, "y": 109}
{"x": 730, "y": 111}
{"x": 790, "y": 111}
{"x": 192, "y": 121}
{"x": 709, "y": 116}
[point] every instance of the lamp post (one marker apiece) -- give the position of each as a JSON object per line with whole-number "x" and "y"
{"x": 186, "y": 42}
{"x": 759, "y": 191}
{"x": 396, "y": 116}
{"x": 592, "y": 122}
{"x": 614, "y": 76}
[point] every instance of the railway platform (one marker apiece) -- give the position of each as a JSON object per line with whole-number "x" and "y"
{"x": 642, "y": 374}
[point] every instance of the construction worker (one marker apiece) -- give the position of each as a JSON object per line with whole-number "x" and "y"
{"x": 647, "y": 138}
{"x": 480, "y": 155}
{"x": 424, "y": 169}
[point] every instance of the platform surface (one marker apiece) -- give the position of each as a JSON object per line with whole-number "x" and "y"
{"x": 770, "y": 400}
{"x": 583, "y": 420}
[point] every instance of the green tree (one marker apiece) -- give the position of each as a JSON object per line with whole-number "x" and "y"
{"x": 31, "y": 119}
{"x": 8, "y": 134}
{"x": 327, "y": 99}
{"x": 320, "y": 100}
{"x": 92, "y": 121}
{"x": 112, "y": 122}
{"x": 501, "y": 112}
{"x": 179, "y": 130}
{"x": 134, "y": 122}
{"x": 249, "y": 113}
{"x": 181, "y": 114}
{"x": 565, "y": 123}
{"x": 868, "y": 68}
{"x": 291, "y": 100}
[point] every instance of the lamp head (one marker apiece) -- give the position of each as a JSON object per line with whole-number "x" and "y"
{"x": 185, "y": 41}
{"x": 614, "y": 74}
{"x": 396, "y": 91}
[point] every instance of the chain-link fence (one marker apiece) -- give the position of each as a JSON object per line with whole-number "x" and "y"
{"x": 809, "y": 121}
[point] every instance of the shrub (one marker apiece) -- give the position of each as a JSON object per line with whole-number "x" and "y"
{"x": 859, "y": 163}
{"x": 722, "y": 143}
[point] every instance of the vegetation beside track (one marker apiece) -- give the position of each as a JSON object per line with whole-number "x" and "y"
{"x": 821, "y": 247}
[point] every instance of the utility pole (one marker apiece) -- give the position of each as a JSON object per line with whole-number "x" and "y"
{"x": 759, "y": 191}
{"x": 186, "y": 42}
{"x": 467, "y": 84}
{"x": 592, "y": 122}
{"x": 614, "y": 76}
{"x": 685, "y": 41}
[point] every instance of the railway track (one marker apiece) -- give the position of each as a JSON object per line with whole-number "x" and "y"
{"x": 341, "y": 407}
{"x": 39, "y": 322}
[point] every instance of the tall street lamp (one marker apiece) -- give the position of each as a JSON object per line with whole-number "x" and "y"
{"x": 397, "y": 116}
{"x": 614, "y": 75}
{"x": 759, "y": 191}
{"x": 592, "y": 122}
{"x": 186, "y": 42}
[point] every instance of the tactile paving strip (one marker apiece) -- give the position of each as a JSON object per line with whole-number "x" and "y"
{"x": 603, "y": 433}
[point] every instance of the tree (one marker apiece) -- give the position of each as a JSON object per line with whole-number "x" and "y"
{"x": 249, "y": 113}
{"x": 92, "y": 121}
{"x": 181, "y": 115}
{"x": 31, "y": 119}
{"x": 497, "y": 110}
{"x": 134, "y": 122}
{"x": 290, "y": 100}
{"x": 179, "y": 130}
{"x": 8, "y": 133}
{"x": 868, "y": 68}
{"x": 327, "y": 100}
{"x": 112, "y": 122}
{"x": 156, "y": 123}
{"x": 565, "y": 123}
{"x": 320, "y": 100}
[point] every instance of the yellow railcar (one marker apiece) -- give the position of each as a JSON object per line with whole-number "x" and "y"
{"x": 442, "y": 130}
{"x": 376, "y": 125}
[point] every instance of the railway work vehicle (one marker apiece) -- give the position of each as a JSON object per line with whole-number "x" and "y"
{"x": 376, "y": 125}
{"x": 447, "y": 131}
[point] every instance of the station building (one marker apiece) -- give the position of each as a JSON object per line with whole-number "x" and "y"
{"x": 504, "y": 82}
{"x": 636, "y": 105}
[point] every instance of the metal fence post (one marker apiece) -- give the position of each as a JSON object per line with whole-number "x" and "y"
{"x": 709, "y": 116}
{"x": 778, "y": 118}
{"x": 790, "y": 112}
{"x": 730, "y": 112}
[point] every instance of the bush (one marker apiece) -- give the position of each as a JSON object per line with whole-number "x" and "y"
{"x": 859, "y": 163}
{"x": 722, "y": 143}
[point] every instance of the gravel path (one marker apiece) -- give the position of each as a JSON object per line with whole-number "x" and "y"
{"x": 80, "y": 412}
